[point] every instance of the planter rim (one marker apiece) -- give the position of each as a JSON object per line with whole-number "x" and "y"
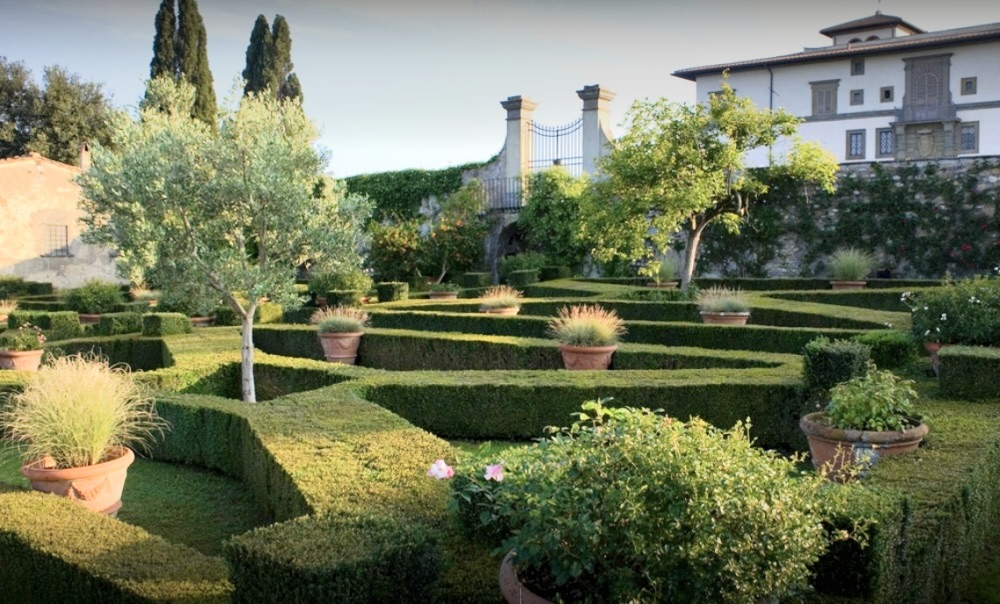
{"x": 21, "y": 353}
{"x": 339, "y": 334}
{"x": 589, "y": 349}
{"x": 722, "y": 313}
{"x": 811, "y": 426}
{"x": 35, "y": 470}
{"x": 511, "y": 587}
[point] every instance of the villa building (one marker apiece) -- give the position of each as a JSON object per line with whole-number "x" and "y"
{"x": 883, "y": 90}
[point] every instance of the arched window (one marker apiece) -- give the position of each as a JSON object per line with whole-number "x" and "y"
{"x": 870, "y": 38}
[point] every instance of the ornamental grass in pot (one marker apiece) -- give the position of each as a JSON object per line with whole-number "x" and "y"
{"x": 77, "y": 420}
{"x": 723, "y": 306}
{"x": 849, "y": 267}
{"x": 624, "y": 506}
{"x": 663, "y": 272}
{"x": 7, "y": 307}
{"x": 340, "y": 329}
{"x": 587, "y": 334}
{"x": 868, "y": 417}
{"x": 500, "y": 300}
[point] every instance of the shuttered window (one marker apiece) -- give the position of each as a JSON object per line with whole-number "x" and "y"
{"x": 824, "y": 98}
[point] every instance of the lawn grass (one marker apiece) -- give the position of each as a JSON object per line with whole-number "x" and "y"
{"x": 182, "y": 504}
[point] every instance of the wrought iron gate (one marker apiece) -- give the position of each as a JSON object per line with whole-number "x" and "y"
{"x": 557, "y": 146}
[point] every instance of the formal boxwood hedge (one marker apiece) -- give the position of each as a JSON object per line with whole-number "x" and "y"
{"x": 551, "y": 273}
{"x": 57, "y": 325}
{"x": 874, "y": 299}
{"x": 826, "y": 362}
{"x": 523, "y": 278}
{"x": 77, "y": 555}
{"x": 970, "y": 372}
{"x": 118, "y": 323}
{"x": 165, "y": 324}
{"x": 475, "y": 280}
{"x": 890, "y": 348}
{"x": 794, "y": 283}
{"x": 266, "y": 312}
{"x": 391, "y": 291}
{"x": 141, "y": 354}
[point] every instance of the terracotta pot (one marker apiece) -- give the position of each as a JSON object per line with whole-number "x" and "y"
{"x": 3, "y": 318}
{"x": 442, "y": 295}
{"x": 933, "y": 348}
{"x": 98, "y": 487}
{"x": 508, "y": 311}
{"x": 341, "y": 347}
{"x": 21, "y": 360}
{"x": 89, "y": 319}
{"x": 663, "y": 284}
{"x": 202, "y": 321}
{"x": 586, "y": 358}
{"x": 848, "y": 284}
{"x": 724, "y": 318}
{"x": 834, "y": 451}
{"x": 514, "y": 592}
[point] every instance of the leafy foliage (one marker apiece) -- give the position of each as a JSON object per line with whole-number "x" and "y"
{"x": 683, "y": 530}
{"x": 397, "y": 195}
{"x": 878, "y": 400}
{"x": 454, "y": 243}
{"x": 966, "y": 311}
{"x": 180, "y": 51}
{"x": 95, "y": 296}
{"x": 682, "y": 167}
{"x": 522, "y": 262}
{"x": 551, "y": 215}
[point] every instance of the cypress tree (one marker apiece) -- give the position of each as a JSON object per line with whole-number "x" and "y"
{"x": 164, "y": 60}
{"x": 257, "y": 73}
{"x": 281, "y": 61}
{"x": 192, "y": 59}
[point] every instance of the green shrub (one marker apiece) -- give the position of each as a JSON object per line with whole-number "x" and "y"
{"x": 354, "y": 280}
{"x": 165, "y": 324}
{"x": 642, "y": 474}
{"x": 117, "y": 323}
{"x": 970, "y": 372}
{"x": 392, "y": 291}
{"x": 11, "y": 286}
{"x": 39, "y": 288}
{"x": 521, "y": 262}
{"x": 827, "y": 363}
{"x": 962, "y": 312}
{"x": 345, "y": 297}
{"x": 267, "y": 312}
{"x": 475, "y": 280}
{"x": 551, "y": 273}
{"x": 94, "y": 297}
{"x": 876, "y": 400}
{"x": 890, "y": 348}
{"x": 521, "y": 279}
{"x": 59, "y": 325}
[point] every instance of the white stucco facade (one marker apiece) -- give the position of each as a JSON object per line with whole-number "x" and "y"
{"x": 884, "y": 90}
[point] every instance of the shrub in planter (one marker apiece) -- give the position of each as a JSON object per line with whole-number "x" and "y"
{"x": 624, "y": 506}
{"x": 444, "y": 291}
{"x": 826, "y": 362}
{"x": 95, "y": 297}
{"x": 391, "y": 291}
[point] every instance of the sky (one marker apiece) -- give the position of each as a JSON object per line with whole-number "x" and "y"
{"x": 398, "y": 84}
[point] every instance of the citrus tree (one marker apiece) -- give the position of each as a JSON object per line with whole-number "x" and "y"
{"x": 680, "y": 167}
{"x": 228, "y": 212}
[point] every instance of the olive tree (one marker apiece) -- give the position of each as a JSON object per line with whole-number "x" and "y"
{"x": 230, "y": 212}
{"x": 681, "y": 167}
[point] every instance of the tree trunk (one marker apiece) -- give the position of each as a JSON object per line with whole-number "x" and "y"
{"x": 247, "y": 384}
{"x": 690, "y": 254}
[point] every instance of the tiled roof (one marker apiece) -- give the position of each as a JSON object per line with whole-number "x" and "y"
{"x": 964, "y": 35}
{"x": 875, "y": 21}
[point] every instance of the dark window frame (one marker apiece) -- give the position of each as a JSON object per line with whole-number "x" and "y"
{"x": 849, "y": 139}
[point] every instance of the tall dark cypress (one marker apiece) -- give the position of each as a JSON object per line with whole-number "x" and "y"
{"x": 257, "y": 73}
{"x": 192, "y": 59}
{"x": 164, "y": 59}
{"x": 281, "y": 60}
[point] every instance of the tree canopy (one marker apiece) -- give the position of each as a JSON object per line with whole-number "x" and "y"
{"x": 180, "y": 50}
{"x": 52, "y": 119}
{"x": 269, "y": 60}
{"x": 681, "y": 168}
{"x": 230, "y": 214}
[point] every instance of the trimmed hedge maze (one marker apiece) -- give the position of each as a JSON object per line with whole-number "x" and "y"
{"x": 336, "y": 456}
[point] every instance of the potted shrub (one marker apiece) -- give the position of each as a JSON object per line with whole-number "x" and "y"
{"x": 22, "y": 349}
{"x": 867, "y": 417}
{"x": 77, "y": 419}
{"x": 619, "y": 507}
{"x": 588, "y": 335}
{"x": 723, "y": 306}
{"x": 94, "y": 298}
{"x": 849, "y": 267}
{"x": 664, "y": 273}
{"x": 444, "y": 291}
{"x": 7, "y": 307}
{"x": 500, "y": 300}
{"x": 340, "y": 329}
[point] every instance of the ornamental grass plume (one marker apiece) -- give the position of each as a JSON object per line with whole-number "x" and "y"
{"x": 722, "y": 299}
{"x": 340, "y": 319}
{"x": 586, "y": 325}
{"x": 500, "y": 296}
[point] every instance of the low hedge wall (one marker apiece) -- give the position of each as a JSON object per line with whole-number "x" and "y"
{"x": 57, "y": 325}
{"x": 970, "y": 372}
{"x": 874, "y": 299}
{"x": 141, "y": 354}
{"x": 77, "y": 555}
{"x": 118, "y": 323}
{"x": 165, "y": 324}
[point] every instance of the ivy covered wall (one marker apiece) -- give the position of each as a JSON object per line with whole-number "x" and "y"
{"x": 920, "y": 220}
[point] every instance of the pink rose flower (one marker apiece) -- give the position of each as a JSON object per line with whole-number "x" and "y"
{"x": 494, "y": 472}
{"x": 439, "y": 469}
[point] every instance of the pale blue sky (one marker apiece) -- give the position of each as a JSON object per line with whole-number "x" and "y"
{"x": 396, "y": 84}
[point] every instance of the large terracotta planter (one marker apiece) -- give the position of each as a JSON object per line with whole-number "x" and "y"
{"x": 514, "y": 592}
{"x": 835, "y": 451}
{"x": 848, "y": 284}
{"x": 442, "y": 295}
{"x": 21, "y": 360}
{"x": 89, "y": 318}
{"x": 202, "y": 321}
{"x": 341, "y": 347}
{"x": 507, "y": 311}
{"x": 98, "y": 487}
{"x": 586, "y": 358}
{"x": 724, "y": 318}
